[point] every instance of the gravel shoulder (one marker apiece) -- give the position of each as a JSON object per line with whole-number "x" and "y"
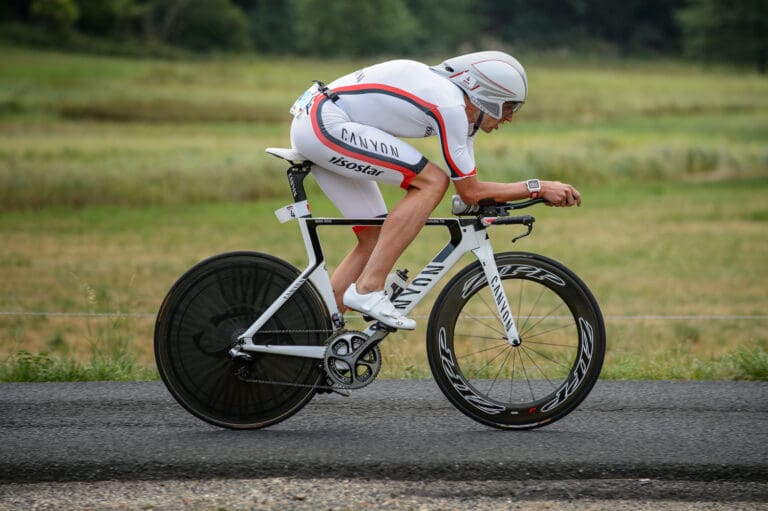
{"x": 353, "y": 494}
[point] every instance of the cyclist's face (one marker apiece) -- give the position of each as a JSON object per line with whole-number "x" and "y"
{"x": 491, "y": 123}
{"x": 508, "y": 111}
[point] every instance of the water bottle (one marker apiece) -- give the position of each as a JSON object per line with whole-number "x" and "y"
{"x": 458, "y": 207}
{"x": 395, "y": 283}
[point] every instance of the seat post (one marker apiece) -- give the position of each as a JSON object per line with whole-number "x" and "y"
{"x": 296, "y": 175}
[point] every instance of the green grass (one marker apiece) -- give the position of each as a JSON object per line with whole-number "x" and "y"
{"x": 108, "y": 359}
{"x": 23, "y": 366}
{"x": 83, "y": 130}
{"x": 118, "y": 174}
{"x": 693, "y": 251}
{"x": 742, "y": 364}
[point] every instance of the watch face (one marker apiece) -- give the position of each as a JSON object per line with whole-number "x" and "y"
{"x": 533, "y": 185}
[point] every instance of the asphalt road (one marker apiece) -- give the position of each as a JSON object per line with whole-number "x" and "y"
{"x": 404, "y": 430}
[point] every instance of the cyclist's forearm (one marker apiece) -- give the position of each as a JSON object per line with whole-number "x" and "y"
{"x": 472, "y": 191}
{"x": 555, "y": 193}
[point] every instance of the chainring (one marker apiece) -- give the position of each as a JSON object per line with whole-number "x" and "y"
{"x": 349, "y": 363}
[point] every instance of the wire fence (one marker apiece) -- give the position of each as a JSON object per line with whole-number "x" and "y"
{"x": 618, "y": 317}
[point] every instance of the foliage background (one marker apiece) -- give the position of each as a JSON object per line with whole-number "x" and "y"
{"x": 723, "y": 30}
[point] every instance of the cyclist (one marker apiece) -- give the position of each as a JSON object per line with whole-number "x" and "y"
{"x": 352, "y": 131}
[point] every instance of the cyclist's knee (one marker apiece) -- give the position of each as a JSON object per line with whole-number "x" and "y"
{"x": 431, "y": 179}
{"x": 367, "y": 237}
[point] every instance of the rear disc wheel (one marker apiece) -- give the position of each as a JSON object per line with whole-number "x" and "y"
{"x": 200, "y": 320}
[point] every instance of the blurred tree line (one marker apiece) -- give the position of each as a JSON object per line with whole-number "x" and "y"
{"x": 726, "y": 30}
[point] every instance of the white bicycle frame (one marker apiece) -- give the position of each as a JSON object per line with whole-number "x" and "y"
{"x": 467, "y": 235}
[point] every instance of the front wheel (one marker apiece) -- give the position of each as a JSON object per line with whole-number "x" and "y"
{"x": 529, "y": 385}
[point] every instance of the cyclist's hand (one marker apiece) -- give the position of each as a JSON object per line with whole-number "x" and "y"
{"x": 560, "y": 194}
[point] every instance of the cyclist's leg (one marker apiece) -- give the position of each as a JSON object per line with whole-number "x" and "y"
{"x": 398, "y": 231}
{"x": 375, "y": 254}
{"x": 402, "y": 226}
{"x": 350, "y": 268}
{"x": 354, "y": 198}
{"x": 328, "y": 137}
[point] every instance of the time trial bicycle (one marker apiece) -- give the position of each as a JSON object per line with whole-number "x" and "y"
{"x": 515, "y": 340}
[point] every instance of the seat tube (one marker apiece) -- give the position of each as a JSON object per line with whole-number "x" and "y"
{"x": 484, "y": 254}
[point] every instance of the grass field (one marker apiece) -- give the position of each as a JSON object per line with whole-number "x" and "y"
{"x": 116, "y": 175}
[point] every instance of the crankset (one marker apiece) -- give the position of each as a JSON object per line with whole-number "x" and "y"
{"x": 352, "y": 359}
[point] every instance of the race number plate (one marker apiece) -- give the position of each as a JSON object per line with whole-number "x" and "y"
{"x": 303, "y": 102}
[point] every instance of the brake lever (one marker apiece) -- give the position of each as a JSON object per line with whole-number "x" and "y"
{"x": 528, "y": 224}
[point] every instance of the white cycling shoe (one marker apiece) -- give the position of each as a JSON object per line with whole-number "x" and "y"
{"x": 378, "y": 306}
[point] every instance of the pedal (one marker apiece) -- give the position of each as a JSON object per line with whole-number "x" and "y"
{"x": 378, "y": 325}
{"x": 381, "y": 326}
{"x": 331, "y": 389}
{"x": 341, "y": 392}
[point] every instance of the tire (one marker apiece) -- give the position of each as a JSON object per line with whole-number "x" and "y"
{"x": 202, "y": 316}
{"x": 548, "y": 374}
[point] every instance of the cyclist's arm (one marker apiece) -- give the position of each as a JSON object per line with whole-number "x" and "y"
{"x": 457, "y": 148}
{"x": 471, "y": 191}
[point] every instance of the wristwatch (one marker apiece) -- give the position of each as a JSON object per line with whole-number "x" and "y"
{"x": 534, "y": 188}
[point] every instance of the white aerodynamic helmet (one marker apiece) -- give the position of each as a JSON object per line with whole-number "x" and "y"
{"x": 490, "y": 79}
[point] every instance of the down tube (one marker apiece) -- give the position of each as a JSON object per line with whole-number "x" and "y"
{"x": 434, "y": 272}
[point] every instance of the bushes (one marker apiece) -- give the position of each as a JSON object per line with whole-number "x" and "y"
{"x": 201, "y": 26}
{"x": 57, "y": 15}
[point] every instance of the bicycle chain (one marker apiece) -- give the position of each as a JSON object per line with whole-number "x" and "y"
{"x": 244, "y": 378}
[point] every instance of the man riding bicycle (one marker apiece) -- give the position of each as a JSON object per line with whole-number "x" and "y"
{"x": 352, "y": 131}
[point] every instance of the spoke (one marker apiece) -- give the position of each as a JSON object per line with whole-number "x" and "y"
{"x": 557, "y": 345}
{"x": 544, "y": 356}
{"x": 542, "y": 318}
{"x": 477, "y": 371}
{"x": 525, "y": 373}
{"x": 512, "y": 379}
{"x": 493, "y": 310}
{"x": 484, "y": 350}
{"x": 480, "y": 337}
{"x": 539, "y": 368}
{"x": 496, "y": 377}
{"x": 533, "y": 308}
{"x": 477, "y": 318}
{"x": 537, "y": 334}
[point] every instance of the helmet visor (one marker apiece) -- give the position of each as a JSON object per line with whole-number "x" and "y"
{"x": 511, "y": 107}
